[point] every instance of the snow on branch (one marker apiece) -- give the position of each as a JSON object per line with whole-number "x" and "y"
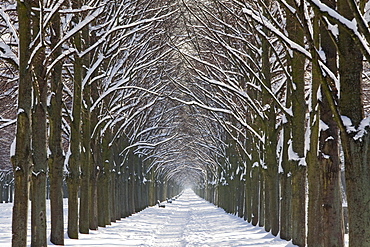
{"x": 9, "y": 25}
{"x": 148, "y": 21}
{"x": 87, "y": 20}
{"x": 7, "y": 54}
{"x": 142, "y": 145}
{"x": 6, "y": 122}
{"x": 266, "y": 23}
{"x": 357, "y": 27}
{"x": 357, "y": 132}
{"x": 221, "y": 110}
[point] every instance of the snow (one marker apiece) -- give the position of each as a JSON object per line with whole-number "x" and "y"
{"x": 7, "y": 53}
{"x": 12, "y": 147}
{"x": 187, "y": 221}
{"x": 265, "y": 22}
{"x": 351, "y": 25}
{"x": 9, "y": 25}
{"x": 360, "y": 131}
{"x": 291, "y": 154}
{"x": 79, "y": 26}
{"x": 333, "y": 28}
{"x": 367, "y": 12}
{"x": 323, "y": 126}
{"x": 20, "y": 111}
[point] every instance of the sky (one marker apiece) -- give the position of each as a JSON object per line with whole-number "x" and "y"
{"x": 187, "y": 221}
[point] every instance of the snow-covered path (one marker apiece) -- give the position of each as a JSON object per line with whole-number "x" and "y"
{"x": 188, "y": 221}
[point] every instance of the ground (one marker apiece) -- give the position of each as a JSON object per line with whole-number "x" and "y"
{"x": 187, "y": 221}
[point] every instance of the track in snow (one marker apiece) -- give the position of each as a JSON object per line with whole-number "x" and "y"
{"x": 189, "y": 221}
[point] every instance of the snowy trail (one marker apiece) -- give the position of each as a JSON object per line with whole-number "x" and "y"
{"x": 189, "y": 221}
{"x": 172, "y": 232}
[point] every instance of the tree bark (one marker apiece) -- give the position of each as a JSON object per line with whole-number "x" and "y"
{"x": 106, "y": 175}
{"x": 333, "y": 222}
{"x": 21, "y": 160}
{"x": 131, "y": 183}
{"x": 356, "y": 151}
{"x": 95, "y": 163}
{"x": 272, "y": 178}
{"x": 256, "y": 190}
{"x": 56, "y": 157}
{"x": 39, "y": 129}
{"x": 261, "y": 194}
{"x": 315, "y": 236}
{"x": 286, "y": 183}
{"x": 298, "y": 169}
{"x": 73, "y": 177}
{"x": 86, "y": 163}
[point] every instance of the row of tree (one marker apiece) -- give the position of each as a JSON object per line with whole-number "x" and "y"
{"x": 89, "y": 73}
{"x": 286, "y": 80}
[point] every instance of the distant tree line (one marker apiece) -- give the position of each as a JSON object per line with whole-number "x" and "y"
{"x": 6, "y": 186}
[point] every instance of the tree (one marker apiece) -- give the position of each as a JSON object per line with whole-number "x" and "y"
{"x": 354, "y": 146}
{"x": 39, "y": 133}
{"x": 56, "y": 157}
{"x": 325, "y": 221}
{"x": 85, "y": 155}
{"x": 297, "y": 142}
{"x": 22, "y": 157}
{"x": 247, "y": 87}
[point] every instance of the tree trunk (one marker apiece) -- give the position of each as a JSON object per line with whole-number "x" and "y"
{"x": 73, "y": 177}
{"x": 151, "y": 192}
{"x": 248, "y": 193}
{"x": 256, "y": 189}
{"x": 286, "y": 186}
{"x": 272, "y": 178}
{"x": 314, "y": 175}
{"x": 101, "y": 198}
{"x": 93, "y": 218}
{"x": 131, "y": 183}
{"x": 261, "y": 199}
{"x": 356, "y": 151}
{"x": 39, "y": 153}
{"x": 126, "y": 191}
{"x": 56, "y": 157}
{"x": 95, "y": 161}
{"x": 333, "y": 222}
{"x": 93, "y": 221}
{"x": 38, "y": 203}
{"x": 106, "y": 197}
{"x": 21, "y": 160}
{"x": 297, "y": 64}
{"x": 86, "y": 163}
{"x": 112, "y": 192}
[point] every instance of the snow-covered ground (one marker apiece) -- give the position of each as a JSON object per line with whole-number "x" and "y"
{"x": 188, "y": 221}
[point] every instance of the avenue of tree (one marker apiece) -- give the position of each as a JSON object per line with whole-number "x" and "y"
{"x": 259, "y": 106}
